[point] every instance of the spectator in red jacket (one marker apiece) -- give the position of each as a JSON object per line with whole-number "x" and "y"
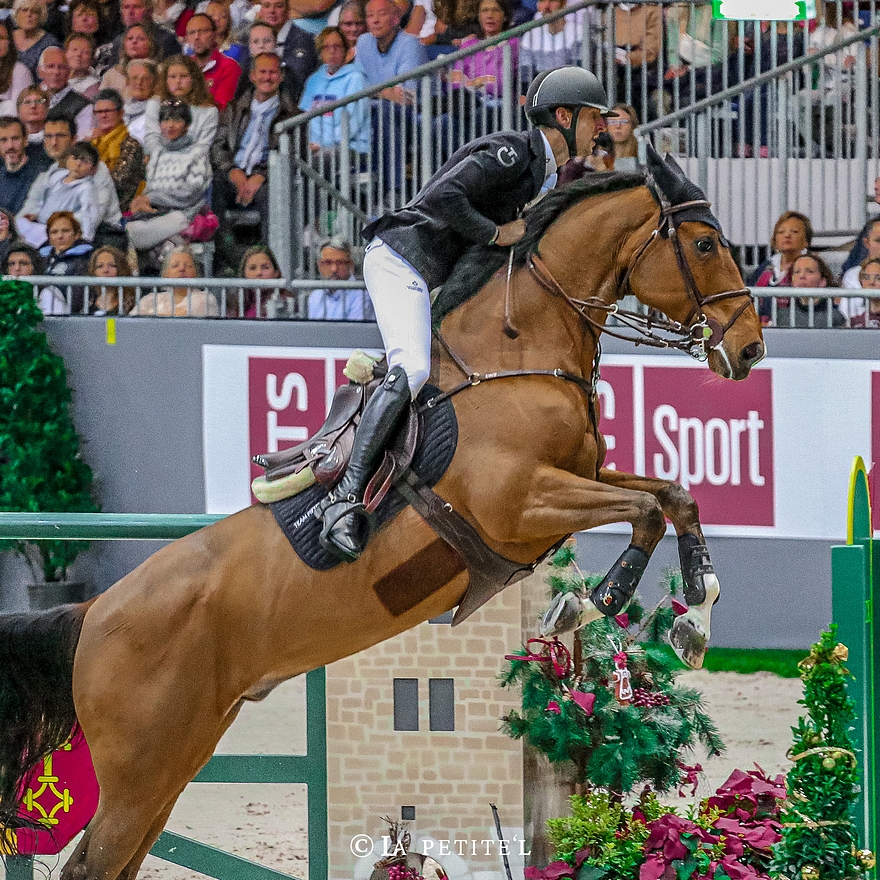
{"x": 221, "y": 72}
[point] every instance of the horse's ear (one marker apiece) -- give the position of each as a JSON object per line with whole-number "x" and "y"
{"x": 671, "y": 163}
{"x": 665, "y": 178}
{"x": 654, "y": 160}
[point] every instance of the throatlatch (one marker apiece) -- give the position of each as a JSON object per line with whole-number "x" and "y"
{"x": 613, "y": 594}
{"x": 695, "y": 566}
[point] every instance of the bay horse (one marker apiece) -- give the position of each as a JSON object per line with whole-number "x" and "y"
{"x": 156, "y": 668}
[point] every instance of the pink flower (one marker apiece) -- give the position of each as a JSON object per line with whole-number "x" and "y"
{"x": 553, "y": 707}
{"x": 678, "y": 608}
{"x": 622, "y": 620}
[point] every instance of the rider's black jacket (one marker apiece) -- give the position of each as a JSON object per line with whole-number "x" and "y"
{"x": 483, "y": 185}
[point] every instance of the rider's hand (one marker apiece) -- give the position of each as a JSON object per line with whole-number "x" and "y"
{"x": 511, "y": 233}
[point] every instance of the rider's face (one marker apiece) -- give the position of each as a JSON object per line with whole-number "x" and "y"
{"x": 590, "y": 123}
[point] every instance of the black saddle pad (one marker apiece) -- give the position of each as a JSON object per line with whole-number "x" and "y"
{"x": 438, "y": 437}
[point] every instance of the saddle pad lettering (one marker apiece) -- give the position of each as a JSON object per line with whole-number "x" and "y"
{"x": 438, "y": 437}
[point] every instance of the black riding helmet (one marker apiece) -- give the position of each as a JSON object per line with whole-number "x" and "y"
{"x": 571, "y": 87}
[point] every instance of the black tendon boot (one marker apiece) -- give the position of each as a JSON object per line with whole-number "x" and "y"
{"x": 614, "y": 593}
{"x": 346, "y": 526}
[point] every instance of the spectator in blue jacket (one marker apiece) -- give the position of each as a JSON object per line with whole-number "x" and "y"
{"x": 332, "y": 81}
{"x": 385, "y": 52}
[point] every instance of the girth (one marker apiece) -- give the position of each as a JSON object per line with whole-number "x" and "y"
{"x": 489, "y": 572}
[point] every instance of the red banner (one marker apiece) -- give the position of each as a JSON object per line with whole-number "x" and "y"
{"x": 617, "y": 421}
{"x": 287, "y": 400}
{"x": 716, "y": 440}
{"x": 675, "y": 423}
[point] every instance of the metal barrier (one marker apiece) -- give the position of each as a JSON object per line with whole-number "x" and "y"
{"x": 788, "y": 93}
{"x": 310, "y": 768}
{"x": 818, "y": 307}
{"x": 280, "y": 299}
{"x": 812, "y": 125}
{"x": 855, "y": 584}
{"x": 810, "y": 308}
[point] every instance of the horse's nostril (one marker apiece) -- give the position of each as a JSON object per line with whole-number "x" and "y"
{"x": 752, "y": 353}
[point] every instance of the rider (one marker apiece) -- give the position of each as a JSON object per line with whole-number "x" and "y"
{"x": 475, "y": 198}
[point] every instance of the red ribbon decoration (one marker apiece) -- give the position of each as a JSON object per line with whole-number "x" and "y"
{"x": 552, "y": 651}
{"x": 691, "y": 777}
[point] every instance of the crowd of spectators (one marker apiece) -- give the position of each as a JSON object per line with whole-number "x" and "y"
{"x": 131, "y": 129}
{"x": 792, "y": 263}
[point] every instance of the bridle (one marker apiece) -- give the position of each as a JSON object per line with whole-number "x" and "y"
{"x": 697, "y": 335}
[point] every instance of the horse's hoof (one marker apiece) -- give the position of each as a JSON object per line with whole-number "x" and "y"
{"x": 563, "y": 616}
{"x": 688, "y": 642}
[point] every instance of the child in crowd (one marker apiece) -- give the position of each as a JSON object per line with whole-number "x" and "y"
{"x": 852, "y": 277}
{"x": 71, "y": 189}
{"x": 869, "y": 279}
{"x": 809, "y": 270}
{"x": 260, "y": 263}
{"x": 792, "y": 235}
{"x": 180, "y": 79}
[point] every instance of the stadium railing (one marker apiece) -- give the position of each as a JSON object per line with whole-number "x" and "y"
{"x": 234, "y": 294}
{"x": 769, "y": 94}
{"x": 274, "y": 297}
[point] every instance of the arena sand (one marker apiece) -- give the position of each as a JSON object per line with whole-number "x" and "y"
{"x": 267, "y": 823}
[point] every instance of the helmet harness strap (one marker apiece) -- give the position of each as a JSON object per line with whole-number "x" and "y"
{"x": 570, "y": 133}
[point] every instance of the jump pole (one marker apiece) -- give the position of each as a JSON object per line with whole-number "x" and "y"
{"x": 855, "y": 591}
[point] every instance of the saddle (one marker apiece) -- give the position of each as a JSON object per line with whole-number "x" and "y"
{"x": 324, "y": 457}
{"x": 316, "y": 465}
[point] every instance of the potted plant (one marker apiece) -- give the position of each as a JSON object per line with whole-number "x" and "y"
{"x": 41, "y": 468}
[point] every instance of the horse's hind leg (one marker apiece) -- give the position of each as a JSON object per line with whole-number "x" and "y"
{"x": 131, "y": 869}
{"x": 690, "y": 631}
{"x": 112, "y": 839}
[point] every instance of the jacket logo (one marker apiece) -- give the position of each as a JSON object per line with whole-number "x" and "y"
{"x": 506, "y": 156}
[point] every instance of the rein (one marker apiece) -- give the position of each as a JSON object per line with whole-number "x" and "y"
{"x": 694, "y": 337}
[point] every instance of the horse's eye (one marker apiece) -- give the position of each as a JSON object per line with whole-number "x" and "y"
{"x": 705, "y": 245}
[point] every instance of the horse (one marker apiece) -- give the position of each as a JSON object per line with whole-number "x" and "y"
{"x": 155, "y": 669}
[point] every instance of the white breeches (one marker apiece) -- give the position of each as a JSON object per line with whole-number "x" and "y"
{"x": 403, "y": 311}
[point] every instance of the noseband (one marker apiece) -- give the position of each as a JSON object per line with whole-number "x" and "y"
{"x": 697, "y": 335}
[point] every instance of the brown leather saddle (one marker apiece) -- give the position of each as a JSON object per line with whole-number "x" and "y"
{"x": 328, "y": 453}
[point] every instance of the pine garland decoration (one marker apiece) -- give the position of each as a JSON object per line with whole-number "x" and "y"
{"x": 42, "y": 469}
{"x": 819, "y": 839}
{"x": 575, "y": 716}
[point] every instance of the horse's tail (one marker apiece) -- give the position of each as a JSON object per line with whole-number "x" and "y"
{"x": 36, "y": 697}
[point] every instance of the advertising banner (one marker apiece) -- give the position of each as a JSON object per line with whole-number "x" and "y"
{"x": 767, "y": 457}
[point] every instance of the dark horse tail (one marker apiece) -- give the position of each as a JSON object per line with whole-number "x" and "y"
{"x": 36, "y": 696}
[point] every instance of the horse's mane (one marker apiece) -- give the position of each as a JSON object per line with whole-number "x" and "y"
{"x": 480, "y": 262}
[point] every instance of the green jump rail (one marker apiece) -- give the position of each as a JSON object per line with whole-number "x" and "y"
{"x": 310, "y": 769}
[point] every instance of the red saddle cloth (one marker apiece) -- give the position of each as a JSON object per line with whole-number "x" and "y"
{"x": 61, "y": 795}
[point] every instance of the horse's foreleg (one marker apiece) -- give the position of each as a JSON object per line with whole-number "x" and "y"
{"x": 558, "y": 503}
{"x": 690, "y": 631}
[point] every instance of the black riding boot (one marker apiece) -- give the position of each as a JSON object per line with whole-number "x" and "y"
{"x": 346, "y": 527}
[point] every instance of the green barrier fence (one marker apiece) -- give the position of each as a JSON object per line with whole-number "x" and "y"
{"x": 310, "y": 768}
{"x": 855, "y": 579}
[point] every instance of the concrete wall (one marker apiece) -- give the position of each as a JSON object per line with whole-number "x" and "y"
{"x": 138, "y": 406}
